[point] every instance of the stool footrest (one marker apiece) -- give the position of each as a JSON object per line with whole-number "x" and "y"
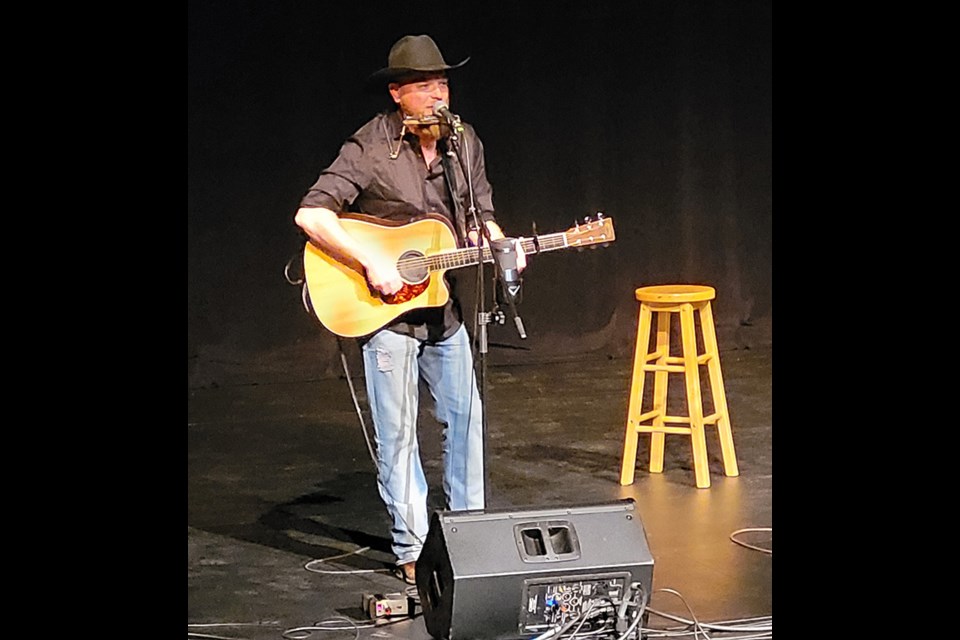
{"x": 653, "y": 355}
{"x": 669, "y": 368}
{"x": 657, "y": 413}
{"x": 649, "y": 428}
{"x": 702, "y": 358}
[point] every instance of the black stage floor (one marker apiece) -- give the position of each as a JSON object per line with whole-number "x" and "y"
{"x": 286, "y": 531}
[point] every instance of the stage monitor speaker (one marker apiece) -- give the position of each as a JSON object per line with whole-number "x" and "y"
{"x": 514, "y": 573}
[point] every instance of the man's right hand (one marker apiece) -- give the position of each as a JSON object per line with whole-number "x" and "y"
{"x": 382, "y": 275}
{"x": 323, "y": 226}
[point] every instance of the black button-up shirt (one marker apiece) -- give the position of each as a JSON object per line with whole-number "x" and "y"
{"x": 379, "y": 174}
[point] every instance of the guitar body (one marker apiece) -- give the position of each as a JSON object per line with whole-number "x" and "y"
{"x": 339, "y": 294}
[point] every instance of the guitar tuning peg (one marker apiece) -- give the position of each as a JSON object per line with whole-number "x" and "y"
{"x": 599, "y": 216}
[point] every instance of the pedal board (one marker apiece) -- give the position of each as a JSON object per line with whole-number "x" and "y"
{"x": 388, "y": 605}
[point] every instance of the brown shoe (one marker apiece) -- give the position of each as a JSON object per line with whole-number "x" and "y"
{"x": 407, "y": 572}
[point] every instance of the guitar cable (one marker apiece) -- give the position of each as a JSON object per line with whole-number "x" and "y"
{"x": 305, "y": 300}
{"x": 356, "y": 403}
{"x": 305, "y": 296}
{"x": 363, "y": 424}
{"x": 286, "y": 270}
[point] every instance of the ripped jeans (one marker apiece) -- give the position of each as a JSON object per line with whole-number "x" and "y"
{"x": 393, "y": 365}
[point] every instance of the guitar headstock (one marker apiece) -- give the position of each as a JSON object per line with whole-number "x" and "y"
{"x": 590, "y": 232}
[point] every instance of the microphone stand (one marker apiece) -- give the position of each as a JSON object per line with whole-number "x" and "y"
{"x": 483, "y": 317}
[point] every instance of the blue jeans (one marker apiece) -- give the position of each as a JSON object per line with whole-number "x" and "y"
{"x": 393, "y": 365}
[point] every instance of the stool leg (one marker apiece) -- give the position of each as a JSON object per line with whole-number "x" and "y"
{"x": 660, "y": 382}
{"x": 719, "y": 394}
{"x": 694, "y": 402}
{"x": 629, "y": 464}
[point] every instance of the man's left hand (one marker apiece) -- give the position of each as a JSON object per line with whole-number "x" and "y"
{"x": 495, "y": 234}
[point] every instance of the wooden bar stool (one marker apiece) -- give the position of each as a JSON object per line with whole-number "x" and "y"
{"x": 685, "y": 301}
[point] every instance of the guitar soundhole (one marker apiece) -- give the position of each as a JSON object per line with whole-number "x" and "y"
{"x": 414, "y": 270}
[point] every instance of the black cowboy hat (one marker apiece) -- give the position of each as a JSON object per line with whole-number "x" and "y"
{"x": 411, "y": 55}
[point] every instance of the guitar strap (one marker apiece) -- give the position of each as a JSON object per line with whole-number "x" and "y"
{"x": 446, "y": 159}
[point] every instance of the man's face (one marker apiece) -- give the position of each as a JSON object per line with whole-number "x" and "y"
{"x": 417, "y": 96}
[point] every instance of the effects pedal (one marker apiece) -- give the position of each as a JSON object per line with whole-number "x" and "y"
{"x": 389, "y": 605}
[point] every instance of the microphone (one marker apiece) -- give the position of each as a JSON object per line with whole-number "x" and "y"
{"x": 505, "y": 256}
{"x": 440, "y": 109}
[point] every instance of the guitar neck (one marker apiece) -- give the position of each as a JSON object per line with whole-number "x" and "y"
{"x": 579, "y": 236}
{"x": 469, "y": 256}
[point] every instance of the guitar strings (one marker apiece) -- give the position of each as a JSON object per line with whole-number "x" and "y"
{"x": 466, "y": 255}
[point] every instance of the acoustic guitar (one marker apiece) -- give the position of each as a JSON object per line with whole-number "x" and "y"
{"x": 424, "y": 248}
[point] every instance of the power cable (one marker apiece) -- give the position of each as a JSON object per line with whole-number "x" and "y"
{"x": 638, "y": 617}
{"x": 695, "y": 623}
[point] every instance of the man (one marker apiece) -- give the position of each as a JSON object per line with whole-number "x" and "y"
{"x": 401, "y": 164}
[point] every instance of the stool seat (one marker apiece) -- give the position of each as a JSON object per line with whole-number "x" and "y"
{"x": 659, "y": 304}
{"x": 675, "y": 293}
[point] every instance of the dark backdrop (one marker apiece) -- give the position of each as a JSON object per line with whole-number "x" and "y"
{"x": 656, "y": 113}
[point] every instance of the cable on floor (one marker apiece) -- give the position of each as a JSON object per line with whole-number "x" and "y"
{"x": 746, "y": 625}
{"x": 210, "y": 636}
{"x": 310, "y": 565}
{"x": 733, "y": 537}
{"x": 695, "y": 623}
{"x": 306, "y": 632}
{"x": 268, "y": 623}
{"x": 324, "y": 625}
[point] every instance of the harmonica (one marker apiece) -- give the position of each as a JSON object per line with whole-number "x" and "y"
{"x": 424, "y": 121}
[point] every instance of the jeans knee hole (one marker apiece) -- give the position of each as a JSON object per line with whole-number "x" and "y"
{"x": 384, "y": 361}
